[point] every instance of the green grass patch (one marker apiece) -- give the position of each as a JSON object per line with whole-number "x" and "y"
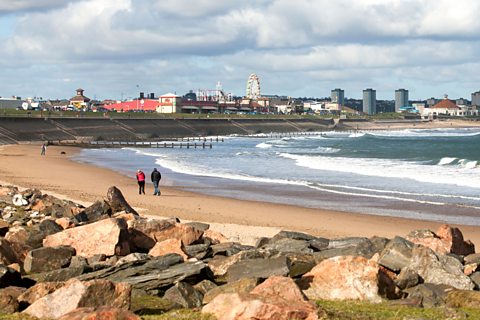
{"x": 353, "y": 310}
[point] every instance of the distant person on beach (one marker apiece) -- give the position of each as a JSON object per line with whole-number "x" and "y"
{"x": 156, "y": 177}
{"x": 44, "y": 149}
{"x": 141, "y": 181}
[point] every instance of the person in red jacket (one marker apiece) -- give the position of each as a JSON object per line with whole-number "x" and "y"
{"x": 141, "y": 181}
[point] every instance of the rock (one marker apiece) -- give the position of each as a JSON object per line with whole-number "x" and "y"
{"x": 289, "y": 245}
{"x": 38, "y": 291}
{"x": 19, "y": 201}
{"x": 475, "y": 277}
{"x": 48, "y": 259}
{"x": 168, "y": 246}
{"x": 430, "y": 295}
{"x": 98, "y": 211}
{"x": 439, "y": 269}
{"x": 276, "y": 298}
{"x": 199, "y": 251}
{"x": 9, "y": 277}
{"x": 96, "y": 258}
{"x": 258, "y": 268}
{"x": 397, "y": 254}
{"x": 292, "y": 235}
{"x": 185, "y": 295}
{"x": 8, "y": 299}
{"x": 65, "y": 223}
{"x": 345, "y": 242}
{"x": 453, "y": 238}
{"x": 159, "y": 230}
{"x": 4, "y": 226}
{"x": 76, "y": 294}
{"x": 104, "y": 312}
{"x": 463, "y": 299}
{"x": 117, "y": 202}
{"x": 215, "y": 236}
{"x": 229, "y": 248}
{"x": 108, "y": 236}
{"x": 204, "y": 286}
{"x": 468, "y": 269}
{"x": 220, "y": 264}
{"x": 78, "y": 261}
{"x": 154, "y": 274}
{"x": 472, "y": 258}
{"x": 241, "y": 286}
{"x": 63, "y": 274}
{"x": 299, "y": 264}
{"x": 198, "y": 225}
{"x": 407, "y": 279}
{"x": 7, "y": 253}
{"x": 347, "y": 278}
{"x": 132, "y": 257}
{"x": 319, "y": 244}
{"x": 48, "y": 227}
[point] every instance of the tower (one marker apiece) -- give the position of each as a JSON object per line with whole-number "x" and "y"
{"x": 338, "y": 96}
{"x": 369, "y": 101}
{"x": 401, "y": 99}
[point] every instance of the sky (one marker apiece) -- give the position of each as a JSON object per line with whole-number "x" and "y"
{"x": 114, "y": 49}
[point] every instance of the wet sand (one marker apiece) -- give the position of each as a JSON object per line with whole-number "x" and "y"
{"x": 242, "y": 220}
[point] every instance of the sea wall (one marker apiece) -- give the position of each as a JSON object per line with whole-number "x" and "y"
{"x": 18, "y": 130}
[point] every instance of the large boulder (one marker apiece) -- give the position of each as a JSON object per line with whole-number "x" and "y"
{"x": 104, "y": 312}
{"x": 220, "y": 264}
{"x": 97, "y": 211}
{"x": 429, "y": 295}
{"x": 38, "y": 291}
{"x": 242, "y": 286}
{"x": 117, "y": 202}
{"x": 8, "y": 299}
{"x": 159, "y": 230}
{"x": 168, "y": 246}
{"x": 258, "y": 268}
{"x": 347, "y": 278}
{"x": 397, "y": 254}
{"x": 439, "y": 269}
{"x": 48, "y": 259}
{"x": 108, "y": 237}
{"x": 76, "y": 294}
{"x": 277, "y": 298}
{"x": 446, "y": 240}
{"x": 183, "y": 294}
{"x": 8, "y": 254}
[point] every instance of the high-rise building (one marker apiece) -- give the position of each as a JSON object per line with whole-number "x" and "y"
{"x": 401, "y": 99}
{"x": 476, "y": 98}
{"x": 369, "y": 101}
{"x": 338, "y": 96}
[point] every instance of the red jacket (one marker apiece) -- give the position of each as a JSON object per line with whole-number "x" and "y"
{"x": 140, "y": 176}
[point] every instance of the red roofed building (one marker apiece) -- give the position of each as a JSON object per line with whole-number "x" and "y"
{"x": 134, "y": 105}
{"x": 449, "y": 108}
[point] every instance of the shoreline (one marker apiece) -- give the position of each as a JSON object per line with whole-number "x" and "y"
{"x": 240, "y": 220}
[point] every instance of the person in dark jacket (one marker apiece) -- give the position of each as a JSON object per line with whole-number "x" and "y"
{"x": 156, "y": 177}
{"x": 141, "y": 181}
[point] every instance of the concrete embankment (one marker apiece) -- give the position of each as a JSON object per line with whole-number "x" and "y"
{"x": 18, "y": 130}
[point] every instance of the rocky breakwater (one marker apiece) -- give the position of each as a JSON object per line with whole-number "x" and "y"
{"x": 60, "y": 260}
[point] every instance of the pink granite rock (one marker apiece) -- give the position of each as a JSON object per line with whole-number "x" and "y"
{"x": 77, "y": 294}
{"x": 101, "y": 313}
{"x": 160, "y": 230}
{"x": 38, "y": 291}
{"x": 347, "y": 278}
{"x": 108, "y": 237}
{"x": 215, "y": 236}
{"x": 168, "y": 246}
{"x": 453, "y": 238}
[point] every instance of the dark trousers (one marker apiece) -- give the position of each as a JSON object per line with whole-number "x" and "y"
{"x": 141, "y": 187}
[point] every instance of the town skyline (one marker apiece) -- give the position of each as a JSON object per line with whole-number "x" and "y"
{"x": 115, "y": 49}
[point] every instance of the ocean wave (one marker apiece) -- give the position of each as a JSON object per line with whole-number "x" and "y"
{"x": 446, "y": 160}
{"x": 263, "y": 145}
{"x": 426, "y": 133}
{"x": 452, "y": 175}
{"x": 328, "y": 150}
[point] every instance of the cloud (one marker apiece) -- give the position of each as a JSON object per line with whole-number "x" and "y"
{"x": 179, "y": 45}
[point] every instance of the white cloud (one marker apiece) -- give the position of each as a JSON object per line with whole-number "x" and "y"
{"x": 181, "y": 45}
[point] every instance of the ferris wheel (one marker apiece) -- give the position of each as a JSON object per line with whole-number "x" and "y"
{"x": 253, "y": 87}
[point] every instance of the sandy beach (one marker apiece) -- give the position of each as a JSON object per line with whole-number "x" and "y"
{"x": 241, "y": 220}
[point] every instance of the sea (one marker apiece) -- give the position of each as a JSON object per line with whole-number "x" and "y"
{"x": 426, "y": 174}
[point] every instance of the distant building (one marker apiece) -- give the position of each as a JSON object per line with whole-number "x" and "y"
{"x": 369, "y": 101}
{"x": 80, "y": 101}
{"x": 169, "y": 103}
{"x": 338, "y": 96}
{"x": 476, "y": 99}
{"x": 401, "y": 99}
{"x": 462, "y": 102}
{"x": 431, "y": 102}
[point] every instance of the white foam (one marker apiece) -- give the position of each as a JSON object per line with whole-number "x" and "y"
{"x": 390, "y": 168}
{"x": 446, "y": 160}
{"x": 263, "y": 145}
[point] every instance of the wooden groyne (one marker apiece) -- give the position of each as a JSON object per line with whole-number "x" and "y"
{"x": 134, "y": 144}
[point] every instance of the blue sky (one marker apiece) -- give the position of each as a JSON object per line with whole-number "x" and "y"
{"x": 297, "y": 48}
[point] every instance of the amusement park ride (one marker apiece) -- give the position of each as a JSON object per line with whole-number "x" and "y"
{"x": 253, "y": 87}
{"x": 218, "y": 95}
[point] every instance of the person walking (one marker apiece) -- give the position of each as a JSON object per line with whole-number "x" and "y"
{"x": 44, "y": 149}
{"x": 141, "y": 181}
{"x": 156, "y": 177}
